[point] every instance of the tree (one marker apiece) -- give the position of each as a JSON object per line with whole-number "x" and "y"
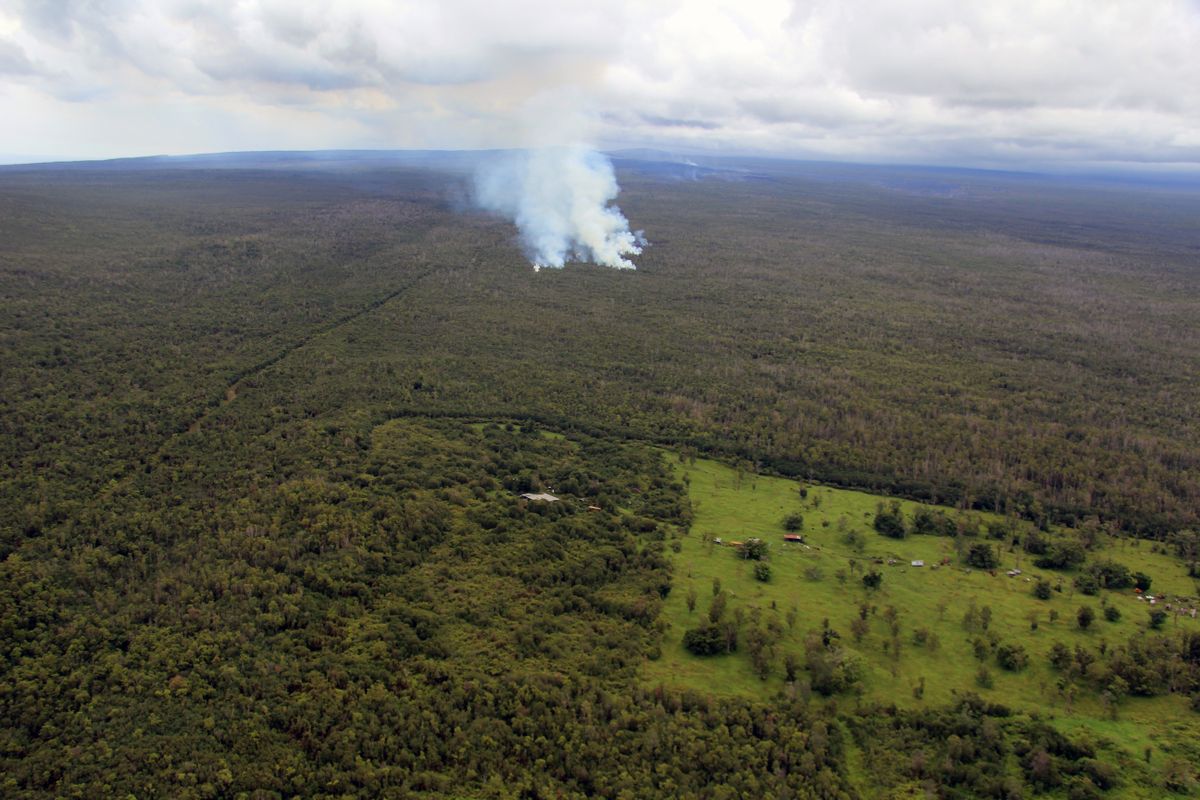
{"x": 1011, "y": 657}
{"x": 889, "y": 521}
{"x": 1112, "y": 613}
{"x": 707, "y": 640}
{"x": 793, "y": 522}
{"x": 1042, "y": 590}
{"x": 1060, "y": 656}
{"x": 691, "y": 598}
{"x": 762, "y": 572}
{"x": 1157, "y": 618}
{"x": 872, "y": 579}
{"x": 753, "y": 550}
{"x": 1084, "y": 617}
{"x": 982, "y": 556}
{"x": 717, "y": 609}
{"x": 1063, "y": 555}
{"x": 1141, "y": 581}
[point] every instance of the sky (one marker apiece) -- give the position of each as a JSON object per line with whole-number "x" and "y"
{"x": 1070, "y": 84}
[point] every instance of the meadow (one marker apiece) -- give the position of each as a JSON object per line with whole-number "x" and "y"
{"x": 817, "y": 581}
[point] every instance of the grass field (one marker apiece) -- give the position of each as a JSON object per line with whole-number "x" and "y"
{"x": 815, "y": 578}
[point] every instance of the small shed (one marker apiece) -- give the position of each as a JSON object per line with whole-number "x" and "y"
{"x": 918, "y": 563}
{"x": 540, "y": 497}
{"x": 793, "y": 537}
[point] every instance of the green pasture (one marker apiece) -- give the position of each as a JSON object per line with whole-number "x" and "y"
{"x": 818, "y": 581}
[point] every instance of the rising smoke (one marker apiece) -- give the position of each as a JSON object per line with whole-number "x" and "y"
{"x": 560, "y": 198}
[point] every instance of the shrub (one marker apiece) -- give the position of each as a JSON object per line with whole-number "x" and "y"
{"x": 1060, "y": 656}
{"x": 889, "y": 521}
{"x": 983, "y": 678}
{"x": 1087, "y": 583}
{"x": 1035, "y": 544}
{"x": 1157, "y": 618}
{"x": 982, "y": 556}
{"x": 793, "y": 522}
{"x": 1111, "y": 575}
{"x": 1012, "y": 657}
{"x": 762, "y": 572}
{"x": 1063, "y": 555}
{"x": 753, "y": 549}
{"x": 1084, "y": 617}
{"x": 1142, "y": 581}
{"x": 872, "y": 579}
{"x": 707, "y": 640}
{"x": 1042, "y": 590}
{"x": 1112, "y": 613}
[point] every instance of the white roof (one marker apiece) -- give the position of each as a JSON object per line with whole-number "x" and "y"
{"x": 549, "y": 498}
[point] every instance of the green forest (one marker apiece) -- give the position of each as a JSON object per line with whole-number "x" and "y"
{"x": 265, "y": 428}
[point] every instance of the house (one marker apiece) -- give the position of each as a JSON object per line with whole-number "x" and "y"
{"x": 793, "y": 537}
{"x": 594, "y": 509}
{"x": 540, "y": 497}
{"x": 918, "y": 563}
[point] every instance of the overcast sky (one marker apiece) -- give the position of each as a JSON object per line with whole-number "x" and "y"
{"x": 1073, "y": 83}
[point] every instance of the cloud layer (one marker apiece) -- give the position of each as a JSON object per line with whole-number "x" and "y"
{"x": 938, "y": 81}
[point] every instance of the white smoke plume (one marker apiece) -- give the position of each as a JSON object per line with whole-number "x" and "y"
{"x": 561, "y": 201}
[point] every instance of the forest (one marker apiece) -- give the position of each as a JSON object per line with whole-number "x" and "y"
{"x": 265, "y": 425}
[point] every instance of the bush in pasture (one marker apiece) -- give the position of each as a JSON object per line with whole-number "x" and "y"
{"x": 1042, "y": 590}
{"x": 707, "y": 640}
{"x": 753, "y": 550}
{"x": 1157, "y": 618}
{"x": 717, "y": 609}
{"x": 1141, "y": 581}
{"x": 1060, "y": 656}
{"x": 1112, "y": 613}
{"x": 1063, "y": 555}
{"x": 872, "y": 579}
{"x": 1012, "y": 657}
{"x": 793, "y": 522}
{"x": 762, "y": 572}
{"x": 982, "y": 556}
{"x": 889, "y": 521}
{"x": 1084, "y": 617}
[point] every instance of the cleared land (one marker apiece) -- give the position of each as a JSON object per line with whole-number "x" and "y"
{"x": 816, "y": 580}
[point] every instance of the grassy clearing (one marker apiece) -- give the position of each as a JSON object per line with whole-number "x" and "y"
{"x": 816, "y": 579}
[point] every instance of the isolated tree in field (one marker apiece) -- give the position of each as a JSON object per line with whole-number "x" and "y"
{"x": 707, "y": 640}
{"x": 1157, "y": 618}
{"x": 872, "y": 579}
{"x": 717, "y": 609}
{"x": 1084, "y": 617}
{"x": 1011, "y": 657}
{"x": 793, "y": 522}
{"x": 753, "y": 550}
{"x": 889, "y": 520}
{"x": 762, "y": 572}
{"x": 982, "y": 556}
{"x": 1042, "y": 590}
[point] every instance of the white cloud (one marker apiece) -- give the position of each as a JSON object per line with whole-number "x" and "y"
{"x": 988, "y": 83}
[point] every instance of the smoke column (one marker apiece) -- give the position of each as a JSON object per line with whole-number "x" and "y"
{"x": 560, "y": 199}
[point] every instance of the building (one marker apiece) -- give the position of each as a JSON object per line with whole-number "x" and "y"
{"x": 540, "y": 497}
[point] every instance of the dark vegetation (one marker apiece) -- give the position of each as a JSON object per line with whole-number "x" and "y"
{"x": 262, "y": 431}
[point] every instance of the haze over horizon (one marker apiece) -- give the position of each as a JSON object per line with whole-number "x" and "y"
{"x": 1065, "y": 85}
